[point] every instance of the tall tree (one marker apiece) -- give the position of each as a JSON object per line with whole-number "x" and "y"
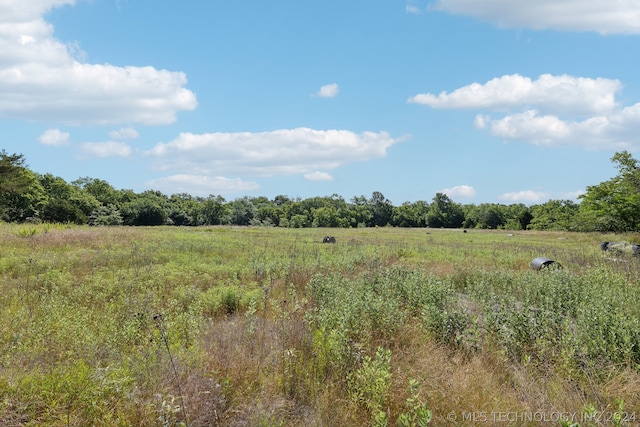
{"x": 66, "y": 202}
{"x": 12, "y": 177}
{"x": 381, "y": 210}
{"x": 554, "y": 215}
{"x": 614, "y": 205}
{"x": 148, "y": 208}
{"x": 242, "y": 211}
{"x": 215, "y": 210}
{"x": 100, "y": 189}
{"x": 444, "y": 213}
{"x": 359, "y": 213}
{"x": 21, "y": 195}
{"x": 410, "y": 214}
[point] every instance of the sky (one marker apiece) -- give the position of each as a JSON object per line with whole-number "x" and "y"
{"x": 486, "y": 101}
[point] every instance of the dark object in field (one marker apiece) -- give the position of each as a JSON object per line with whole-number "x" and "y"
{"x": 621, "y": 247}
{"x": 541, "y": 262}
{"x": 329, "y": 239}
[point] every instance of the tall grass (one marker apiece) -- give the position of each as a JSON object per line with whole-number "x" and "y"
{"x": 261, "y": 326}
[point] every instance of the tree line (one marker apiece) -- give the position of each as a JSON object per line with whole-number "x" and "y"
{"x": 27, "y": 196}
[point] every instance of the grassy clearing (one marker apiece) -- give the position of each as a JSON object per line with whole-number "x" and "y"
{"x": 229, "y": 326}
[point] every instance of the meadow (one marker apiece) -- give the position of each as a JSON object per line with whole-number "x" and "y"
{"x": 259, "y": 326}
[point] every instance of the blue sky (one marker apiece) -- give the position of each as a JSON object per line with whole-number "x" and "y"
{"x": 488, "y": 101}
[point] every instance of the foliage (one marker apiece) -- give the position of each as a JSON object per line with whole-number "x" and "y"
{"x": 613, "y": 205}
{"x": 419, "y": 414}
{"x": 147, "y": 209}
{"x": 370, "y": 383}
{"x": 105, "y": 215}
{"x": 445, "y": 213}
{"x": 555, "y": 215}
{"x": 21, "y": 195}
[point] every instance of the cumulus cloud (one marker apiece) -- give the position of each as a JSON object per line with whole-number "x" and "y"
{"x": 279, "y": 152}
{"x": 616, "y": 131}
{"x": 106, "y": 149}
{"x": 124, "y": 133}
{"x": 552, "y": 110}
{"x": 328, "y": 91}
{"x": 557, "y": 94}
{"x": 201, "y": 185}
{"x": 318, "y": 176}
{"x": 528, "y": 196}
{"x": 605, "y": 17}
{"x": 460, "y": 191}
{"x": 54, "y": 137}
{"x": 41, "y": 79}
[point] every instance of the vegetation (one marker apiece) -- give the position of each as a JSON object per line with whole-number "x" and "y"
{"x": 28, "y": 197}
{"x": 261, "y": 326}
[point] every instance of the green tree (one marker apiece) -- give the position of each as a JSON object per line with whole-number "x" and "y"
{"x": 184, "y": 209}
{"x": 266, "y": 212}
{"x": 485, "y": 216}
{"x": 21, "y": 195}
{"x": 359, "y": 212}
{"x": 215, "y": 211}
{"x": 444, "y": 213}
{"x": 518, "y": 217}
{"x": 381, "y": 210}
{"x": 410, "y": 214}
{"x": 555, "y": 215}
{"x": 66, "y": 202}
{"x": 149, "y": 208}
{"x": 242, "y": 211}
{"x": 614, "y": 205}
{"x": 325, "y": 216}
{"x": 12, "y": 177}
{"x": 100, "y": 189}
{"x": 105, "y": 215}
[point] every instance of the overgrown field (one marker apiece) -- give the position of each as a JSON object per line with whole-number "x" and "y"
{"x": 223, "y": 326}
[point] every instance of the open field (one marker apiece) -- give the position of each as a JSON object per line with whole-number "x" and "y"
{"x": 226, "y": 326}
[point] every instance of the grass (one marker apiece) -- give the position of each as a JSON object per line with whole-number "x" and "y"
{"x": 227, "y": 326}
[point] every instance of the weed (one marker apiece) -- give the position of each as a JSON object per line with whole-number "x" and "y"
{"x": 418, "y": 414}
{"x": 369, "y": 385}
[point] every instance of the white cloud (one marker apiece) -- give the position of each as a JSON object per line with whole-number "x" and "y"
{"x": 412, "y": 10}
{"x": 616, "y": 131}
{"x": 201, "y": 185}
{"x": 552, "y": 110}
{"x": 557, "y": 94}
{"x": 106, "y": 149}
{"x": 41, "y": 80}
{"x": 464, "y": 191}
{"x": 318, "y": 176}
{"x": 279, "y": 152}
{"x": 54, "y": 137}
{"x": 525, "y": 196}
{"x": 20, "y": 10}
{"x": 540, "y": 130}
{"x": 605, "y": 17}
{"x": 328, "y": 91}
{"x": 124, "y": 133}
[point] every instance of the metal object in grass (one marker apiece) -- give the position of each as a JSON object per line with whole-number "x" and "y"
{"x": 541, "y": 263}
